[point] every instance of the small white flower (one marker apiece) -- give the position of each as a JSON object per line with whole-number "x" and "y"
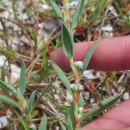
{"x": 32, "y": 126}
{"x": 72, "y": 86}
{"x": 74, "y": 3}
{"x": 81, "y": 87}
{"x": 69, "y": 97}
{"x": 79, "y": 64}
{"x": 80, "y": 109}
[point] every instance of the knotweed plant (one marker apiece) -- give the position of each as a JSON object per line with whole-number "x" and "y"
{"x": 75, "y": 116}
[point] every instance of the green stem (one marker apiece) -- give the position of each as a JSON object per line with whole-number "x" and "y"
{"x": 76, "y": 95}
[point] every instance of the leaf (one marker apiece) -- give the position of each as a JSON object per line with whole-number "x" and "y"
{"x": 99, "y": 11}
{"x": 46, "y": 13}
{"x": 56, "y": 8}
{"x": 22, "y": 82}
{"x": 22, "y": 121}
{"x": 31, "y": 101}
{"x": 71, "y": 115}
{"x": 69, "y": 123}
{"x": 62, "y": 126}
{"x": 33, "y": 74}
{"x": 8, "y": 87}
{"x": 2, "y": 73}
{"x": 102, "y": 5}
{"x": 67, "y": 41}
{"x": 89, "y": 55}
{"x": 61, "y": 75}
{"x": 8, "y": 100}
{"x": 118, "y": 8}
{"x": 45, "y": 69}
{"x": 77, "y": 14}
{"x": 81, "y": 101}
{"x": 43, "y": 123}
{"x": 101, "y": 107}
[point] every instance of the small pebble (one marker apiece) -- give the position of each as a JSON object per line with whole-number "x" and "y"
{"x": 3, "y": 122}
{"x": 92, "y": 100}
{"x": 89, "y": 74}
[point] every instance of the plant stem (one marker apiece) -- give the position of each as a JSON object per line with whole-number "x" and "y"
{"x": 76, "y": 95}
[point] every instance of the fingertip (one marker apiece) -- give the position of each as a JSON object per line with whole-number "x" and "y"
{"x": 60, "y": 59}
{"x": 116, "y": 118}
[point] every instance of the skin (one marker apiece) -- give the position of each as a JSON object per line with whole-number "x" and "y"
{"x": 111, "y": 54}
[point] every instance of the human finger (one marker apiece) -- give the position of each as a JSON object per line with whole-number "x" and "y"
{"x": 116, "y": 119}
{"x": 111, "y": 54}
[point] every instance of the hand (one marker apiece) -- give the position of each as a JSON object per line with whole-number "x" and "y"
{"x": 111, "y": 54}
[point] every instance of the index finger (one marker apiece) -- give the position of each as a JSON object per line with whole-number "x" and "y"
{"x": 111, "y": 54}
{"x": 115, "y": 119}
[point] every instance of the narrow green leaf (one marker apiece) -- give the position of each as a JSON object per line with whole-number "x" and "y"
{"x": 33, "y": 74}
{"x": 118, "y": 8}
{"x": 22, "y": 121}
{"x": 61, "y": 75}
{"x": 81, "y": 101}
{"x": 43, "y": 123}
{"x": 31, "y": 101}
{"x": 89, "y": 55}
{"x": 45, "y": 69}
{"x": 62, "y": 126}
{"x": 8, "y": 87}
{"x": 2, "y": 73}
{"x": 77, "y": 14}
{"x": 69, "y": 123}
{"x": 67, "y": 41}
{"x": 8, "y": 100}
{"x": 56, "y": 8}
{"x": 71, "y": 114}
{"x": 102, "y": 5}
{"x": 22, "y": 82}
{"x": 48, "y": 13}
{"x": 101, "y": 107}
